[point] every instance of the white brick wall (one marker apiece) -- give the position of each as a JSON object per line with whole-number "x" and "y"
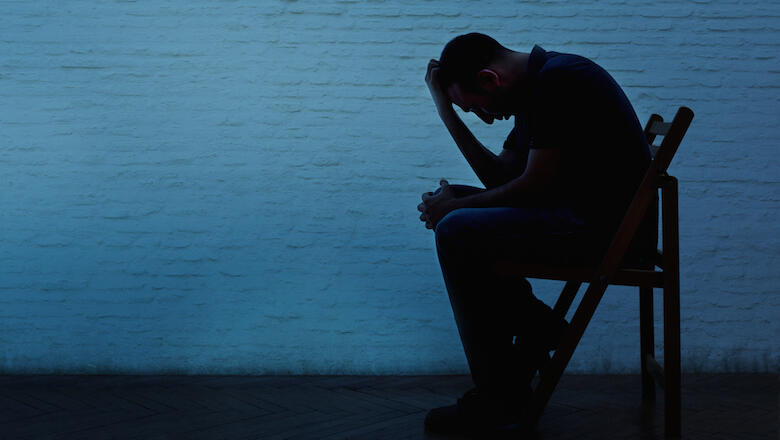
{"x": 230, "y": 187}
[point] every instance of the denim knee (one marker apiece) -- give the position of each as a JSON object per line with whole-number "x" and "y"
{"x": 451, "y": 230}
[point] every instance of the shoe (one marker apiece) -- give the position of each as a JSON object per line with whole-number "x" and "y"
{"x": 476, "y": 414}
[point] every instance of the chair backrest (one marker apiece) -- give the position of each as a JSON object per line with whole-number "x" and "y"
{"x": 673, "y": 133}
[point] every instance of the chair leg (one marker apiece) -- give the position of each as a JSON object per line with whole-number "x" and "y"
{"x": 566, "y": 298}
{"x": 672, "y": 373}
{"x": 647, "y": 340}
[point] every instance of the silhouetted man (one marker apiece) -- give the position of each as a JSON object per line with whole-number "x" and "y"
{"x": 555, "y": 194}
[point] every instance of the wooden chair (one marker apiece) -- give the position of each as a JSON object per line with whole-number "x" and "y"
{"x": 609, "y": 271}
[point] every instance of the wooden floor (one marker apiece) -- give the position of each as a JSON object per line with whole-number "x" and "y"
{"x": 360, "y": 407}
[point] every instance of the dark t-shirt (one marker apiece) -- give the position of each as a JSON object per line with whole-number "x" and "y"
{"x": 575, "y": 105}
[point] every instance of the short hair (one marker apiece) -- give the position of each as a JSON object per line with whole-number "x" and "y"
{"x": 464, "y": 56}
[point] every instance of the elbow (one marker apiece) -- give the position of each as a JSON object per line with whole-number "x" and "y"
{"x": 496, "y": 181}
{"x": 501, "y": 176}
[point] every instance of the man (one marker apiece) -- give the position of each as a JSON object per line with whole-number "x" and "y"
{"x": 556, "y": 193}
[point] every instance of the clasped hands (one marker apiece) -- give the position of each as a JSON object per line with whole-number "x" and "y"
{"x": 435, "y": 205}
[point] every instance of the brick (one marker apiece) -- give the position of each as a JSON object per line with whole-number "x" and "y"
{"x": 176, "y": 168}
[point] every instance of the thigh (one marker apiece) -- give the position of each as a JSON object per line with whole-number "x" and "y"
{"x": 527, "y": 234}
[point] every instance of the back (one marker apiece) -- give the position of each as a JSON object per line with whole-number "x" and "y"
{"x": 577, "y": 106}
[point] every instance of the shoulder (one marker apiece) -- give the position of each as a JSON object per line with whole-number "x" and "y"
{"x": 565, "y": 70}
{"x": 557, "y": 62}
{"x": 576, "y": 80}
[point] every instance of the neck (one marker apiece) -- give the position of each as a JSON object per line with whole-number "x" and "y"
{"x": 517, "y": 69}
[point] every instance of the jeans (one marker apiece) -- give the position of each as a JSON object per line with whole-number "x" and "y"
{"x": 490, "y": 310}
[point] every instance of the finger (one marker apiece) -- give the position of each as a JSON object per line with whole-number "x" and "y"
{"x": 421, "y": 207}
{"x": 443, "y": 183}
{"x": 433, "y": 64}
{"x": 427, "y": 196}
{"x": 431, "y": 71}
{"x": 423, "y": 218}
{"x": 428, "y": 225}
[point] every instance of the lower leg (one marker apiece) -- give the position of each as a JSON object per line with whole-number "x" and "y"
{"x": 489, "y": 315}
{"x": 490, "y": 310}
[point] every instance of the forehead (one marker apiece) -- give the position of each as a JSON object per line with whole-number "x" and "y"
{"x": 456, "y": 94}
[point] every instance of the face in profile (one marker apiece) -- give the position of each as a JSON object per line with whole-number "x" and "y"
{"x": 488, "y": 106}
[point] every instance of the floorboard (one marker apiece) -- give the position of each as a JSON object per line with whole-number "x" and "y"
{"x": 715, "y": 406}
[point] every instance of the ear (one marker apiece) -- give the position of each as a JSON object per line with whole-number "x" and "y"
{"x": 488, "y": 80}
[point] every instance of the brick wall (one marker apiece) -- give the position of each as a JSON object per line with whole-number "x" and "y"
{"x": 230, "y": 187}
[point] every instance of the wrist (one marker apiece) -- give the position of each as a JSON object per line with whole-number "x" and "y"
{"x": 445, "y": 109}
{"x": 456, "y": 203}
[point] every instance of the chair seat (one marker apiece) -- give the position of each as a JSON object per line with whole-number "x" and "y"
{"x": 624, "y": 276}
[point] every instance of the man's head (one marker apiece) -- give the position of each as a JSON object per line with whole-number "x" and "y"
{"x": 477, "y": 74}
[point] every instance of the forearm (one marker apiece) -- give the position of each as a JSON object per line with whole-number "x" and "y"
{"x": 511, "y": 193}
{"x": 539, "y": 183}
{"x": 532, "y": 187}
{"x": 487, "y": 165}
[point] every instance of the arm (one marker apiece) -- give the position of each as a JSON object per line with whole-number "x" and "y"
{"x": 489, "y": 168}
{"x": 535, "y": 183}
